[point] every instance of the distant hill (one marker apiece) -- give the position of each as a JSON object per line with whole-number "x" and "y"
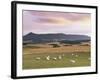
{"x": 58, "y": 37}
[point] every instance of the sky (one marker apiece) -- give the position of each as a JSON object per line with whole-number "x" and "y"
{"x": 45, "y": 22}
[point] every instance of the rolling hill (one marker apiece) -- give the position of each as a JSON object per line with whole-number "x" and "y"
{"x": 58, "y": 37}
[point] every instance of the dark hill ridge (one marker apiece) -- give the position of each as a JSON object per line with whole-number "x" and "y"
{"x": 38, "y": 38}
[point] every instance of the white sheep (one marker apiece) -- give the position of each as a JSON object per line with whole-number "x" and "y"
{"x": 73, "y": 61}
{"x": 76, "y": 55}
{"x": 55, "y": 58}
{"x": 72, "y": 54}
{"x": 48, "y": 57}
{"x": 60, "y": 57}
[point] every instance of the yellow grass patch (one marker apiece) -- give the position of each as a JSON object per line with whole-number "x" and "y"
{"x": 64, "y": 49}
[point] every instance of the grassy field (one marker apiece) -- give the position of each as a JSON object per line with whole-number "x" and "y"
{"x": 58, "y": 57}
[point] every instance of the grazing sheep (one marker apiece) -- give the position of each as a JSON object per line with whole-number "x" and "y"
{"x": 48, "y": 58}
{"x": 73, "y": 61}
{"x": 54, "y": 58}
{"x": 72, "y": 54}
{"x": 76, "y": 55}
{"x": 38, "y": 58}
{"x": 59, "y": 57}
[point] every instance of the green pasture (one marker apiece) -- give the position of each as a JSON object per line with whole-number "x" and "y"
{"x": 68, "y": 59}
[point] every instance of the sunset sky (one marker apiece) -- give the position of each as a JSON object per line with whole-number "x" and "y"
{"x": 43, "y": 22}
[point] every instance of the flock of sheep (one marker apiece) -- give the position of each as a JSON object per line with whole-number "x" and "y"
{"x": 48, "y": 58}
{"x": 58, "y": 58}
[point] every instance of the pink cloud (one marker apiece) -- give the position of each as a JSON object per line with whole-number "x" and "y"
{"x": 56, "y": 22}
{"x": 67, "y": 15}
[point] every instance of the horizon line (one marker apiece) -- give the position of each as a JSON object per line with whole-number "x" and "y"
{"x": 56, "y": 33}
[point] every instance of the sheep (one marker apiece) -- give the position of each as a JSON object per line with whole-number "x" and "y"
{"x": 48, "y": 58}
{"x": 54, "y": 58}
{"x": 59, "y": 57}
{"x": 76, "y": 55}
{"x": 73, "y": 61}
{"x": 72, "y": 54}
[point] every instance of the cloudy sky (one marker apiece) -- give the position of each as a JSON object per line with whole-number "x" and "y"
{"x": 42, "y": 22}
